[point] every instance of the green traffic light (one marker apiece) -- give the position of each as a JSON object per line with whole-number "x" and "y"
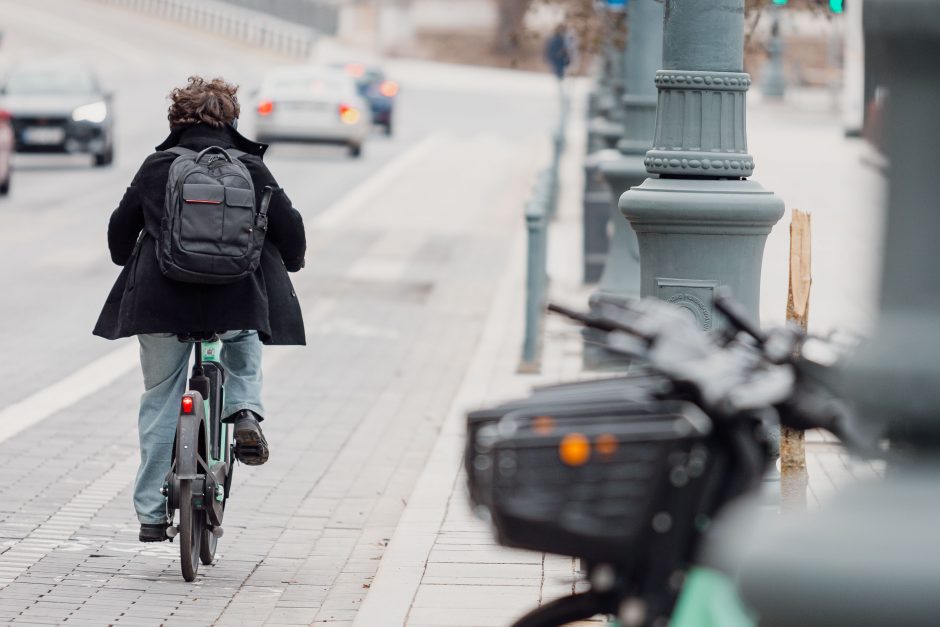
{"x": 780, "y": 3}
{"x": 836, "y": 6}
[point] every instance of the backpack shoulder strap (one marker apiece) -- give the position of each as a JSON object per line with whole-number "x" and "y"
{"x": 234, "y": 152}
{"x": 266, "y": 195}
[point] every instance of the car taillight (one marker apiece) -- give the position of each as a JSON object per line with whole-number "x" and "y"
{"x": 348, "y": 114}
{"x": 5, "y": 116}
{"x": 355, "y": 69}
{"x": 388, "y": 89}
{"x": 265, "y": 107}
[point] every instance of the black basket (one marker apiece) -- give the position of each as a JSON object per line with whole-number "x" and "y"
{"x": 550, "y": 400}
{"x": 641, "y": 482}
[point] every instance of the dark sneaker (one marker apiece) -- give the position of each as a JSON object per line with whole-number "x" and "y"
{"x": 250, "y": 446}
{"x": 153, "y": 532}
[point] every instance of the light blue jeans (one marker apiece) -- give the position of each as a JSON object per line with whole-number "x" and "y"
{"x": 165, "y": 363}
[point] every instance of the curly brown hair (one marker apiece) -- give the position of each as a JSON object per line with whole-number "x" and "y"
{"x": 207, "y": 102}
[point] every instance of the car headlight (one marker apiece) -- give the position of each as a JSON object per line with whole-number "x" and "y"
{"x": 95, "y": 112}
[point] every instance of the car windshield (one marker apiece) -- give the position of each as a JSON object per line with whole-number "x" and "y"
{"x": 49, "y": 80}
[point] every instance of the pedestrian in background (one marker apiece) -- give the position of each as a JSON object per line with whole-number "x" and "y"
{"x": 558, "y": 52}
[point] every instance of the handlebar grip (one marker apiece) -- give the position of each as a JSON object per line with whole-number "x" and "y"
{"x": 736, "y": 315}
{"x": 585, "y": 319}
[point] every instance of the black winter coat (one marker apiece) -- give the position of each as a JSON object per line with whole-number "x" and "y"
{"x": 144, "y": 301}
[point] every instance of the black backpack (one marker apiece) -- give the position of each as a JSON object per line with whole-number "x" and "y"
{"x": 210, "y": 232}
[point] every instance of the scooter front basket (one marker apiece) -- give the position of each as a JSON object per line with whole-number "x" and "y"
{"x": 600, "y": 487}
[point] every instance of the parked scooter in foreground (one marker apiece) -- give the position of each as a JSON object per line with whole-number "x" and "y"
{"x": 628, "y": 474}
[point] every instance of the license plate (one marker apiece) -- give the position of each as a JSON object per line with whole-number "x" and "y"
{"x": 309, "y": 106}
{"x": 43, "y": 135}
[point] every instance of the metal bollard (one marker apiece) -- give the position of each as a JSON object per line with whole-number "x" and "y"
{"x": 558, "y": 147}
{"x": 536, "y": 279}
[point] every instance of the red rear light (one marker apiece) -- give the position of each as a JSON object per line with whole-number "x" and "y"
{"x": 265, "y": 107}
{"x": 388, "y": 89}
{"x": 187, "y": 404}
{"x": 355, "y": 69}
{"x": 348, "y": 114}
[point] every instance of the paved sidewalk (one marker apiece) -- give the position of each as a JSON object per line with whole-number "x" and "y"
{"x": 443, "y": 567}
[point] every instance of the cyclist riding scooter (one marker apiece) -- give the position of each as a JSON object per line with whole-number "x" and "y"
{"x": 202, "y": 252}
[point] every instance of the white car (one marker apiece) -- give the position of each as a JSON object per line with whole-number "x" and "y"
{"x": 312, "y": 104}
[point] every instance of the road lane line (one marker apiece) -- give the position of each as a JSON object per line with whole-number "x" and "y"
{"x": 353, "y": 201}
{"x": 83, "y": 383}
{"x": 65, "y": 392}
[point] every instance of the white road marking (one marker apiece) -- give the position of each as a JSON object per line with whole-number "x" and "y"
{"x": 56, "y": 397}
{"x": 104, "y": 371}
{"x": 353, "y": 201}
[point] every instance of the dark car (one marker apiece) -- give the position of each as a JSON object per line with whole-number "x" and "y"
{"x": 378, "y": 91}
{"x": 59, "y": 107}
{"x": 6, "y": 152}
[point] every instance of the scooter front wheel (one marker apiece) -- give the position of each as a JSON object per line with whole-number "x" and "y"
{"x": 191, "y": 529}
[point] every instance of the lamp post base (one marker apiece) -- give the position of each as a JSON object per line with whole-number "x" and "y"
{"x": 697, "y": 234}
{"x": 596, "y": 208}
{"x": 621, "y": 276}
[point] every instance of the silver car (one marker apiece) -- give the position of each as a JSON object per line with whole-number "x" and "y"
{"x": 312, "y": 104}
{"x": 59, "y": 107}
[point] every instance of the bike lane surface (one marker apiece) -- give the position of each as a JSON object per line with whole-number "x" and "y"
{"x": 395, "y": 295}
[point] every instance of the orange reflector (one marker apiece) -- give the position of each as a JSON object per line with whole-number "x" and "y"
{"x": 543, "y": 425}
{"x": 265, "y": 107}
{"x": 348, "y": 115}
{"x": 606, "y": 444}
{"x": 187, "y": 404}
{"x": 388, "y": 89}
{"x": 574, "y": 449}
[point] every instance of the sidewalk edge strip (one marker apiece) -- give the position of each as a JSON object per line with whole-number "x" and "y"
{"x": 402, "y": 567}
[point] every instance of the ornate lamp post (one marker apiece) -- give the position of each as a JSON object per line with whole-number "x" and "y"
{"x": 774, "y": 84}
{"x": 604, "y": 130}
{"x": 702, "y": 223}
{"x": 877, "y": 531}
{"x": 641, "y": 58}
